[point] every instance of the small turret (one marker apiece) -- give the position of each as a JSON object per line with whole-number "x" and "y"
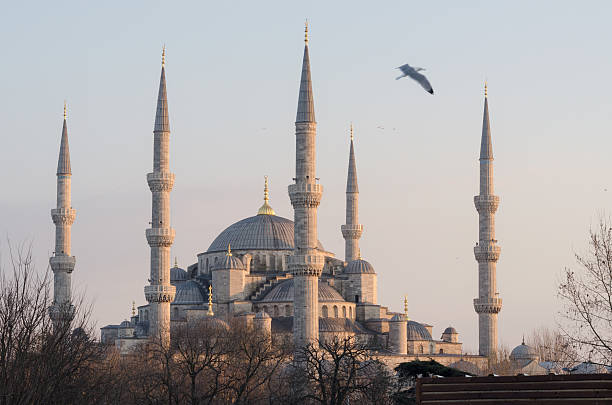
{"x": 398, "y": 340}
{"x": 228, "y": 277}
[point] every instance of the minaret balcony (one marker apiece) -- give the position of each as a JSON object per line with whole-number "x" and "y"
{"x": 487, "y": 252}
{"x": 351, "y": 231}
{"x": 305, "y": 195}
{"x": 160, "y": 237}
{"x": 63, "y": 216}
{"x": 160, "y": 181}
{"x": 486, "y": 204}
{"x": 306, "y": 265}
{"x": 160, "y": 293}
{"x": 487, "y": 305}
{"x": 62, "y": 263}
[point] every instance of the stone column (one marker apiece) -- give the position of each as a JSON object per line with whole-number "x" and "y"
{"x": 488, "y": 304}
{"x": 62, "y": 263}
{"x": 160, "y": 293}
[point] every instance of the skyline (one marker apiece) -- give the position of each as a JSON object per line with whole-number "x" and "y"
{"x": 414, "y": 215}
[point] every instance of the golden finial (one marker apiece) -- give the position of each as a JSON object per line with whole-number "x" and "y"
{"x": 405, "y": 305}
{"x": 164, "y": 55}
{"x": 359, "y": 255}
{"x": 175, "y": 261}
{"x": 485, "y": 88}
{"x": 210, "y": 305}
{"x": 65, "y": 110}
{"x": 351, "y": 131}
{"x": 306, "y": 32}
{"x": 133, "y": 308}
{"x": 229, "y": 250}
{"x": 266, "y": 209}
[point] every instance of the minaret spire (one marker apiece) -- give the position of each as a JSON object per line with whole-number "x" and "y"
{"x": 266, "y": 209}
{"x": 488, "y": 304}
{"x": 62, "y": 263}
{"x": 306, "y": 264}
{"x": 160, "y": 293}
{"x": 352, "y": 230}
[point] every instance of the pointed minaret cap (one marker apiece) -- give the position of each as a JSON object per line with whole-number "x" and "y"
{"x": 162, "y": 123}
{"x": 305, "y": 112}
{"x": 63, "y": 163}
{"x": 351, "y": 181}
{"x": 266, "y": 209}
{"x": 486, "y": 147}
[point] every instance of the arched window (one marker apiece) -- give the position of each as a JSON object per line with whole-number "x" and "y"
{"x": 351, "y": 312}
{"x": 176, "y": 313}
{"x": 335, "y": 311}
{"x": 344, "y": 312}
{"x": 207, "y": 269}
{"x": 421, "y": 349}
{"x": 146, "y": 315}
{"x": 441, "y": 351}
{"x": 265, "y": 308}
{"x": 276, "y": 311}
{"x": 325, "y": 314}
{"x": 287, "y": 310}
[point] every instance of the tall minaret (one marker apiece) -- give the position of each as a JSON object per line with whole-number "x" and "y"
{"x": 160, "y": 293}
{"x": 488, "y": 304}
{"x": 63, "y": 217}
{"x": 352, "y": 230}
{"x": 306, "y": 263}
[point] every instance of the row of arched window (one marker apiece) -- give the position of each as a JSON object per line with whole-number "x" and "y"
{"x": 275, "y": 311}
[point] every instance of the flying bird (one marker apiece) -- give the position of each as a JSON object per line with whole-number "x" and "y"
{"x": 414, "y": 74}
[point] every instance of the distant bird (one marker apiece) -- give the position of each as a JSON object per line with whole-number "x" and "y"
{"x": 379, "y": 127}
{"x": 414, "y": 74}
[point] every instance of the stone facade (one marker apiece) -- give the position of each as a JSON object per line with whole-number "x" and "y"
{"x": 488, "y": 304}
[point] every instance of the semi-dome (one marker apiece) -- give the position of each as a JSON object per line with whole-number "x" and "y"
{"x": 284, "y": 291}
{"x": 189, "y": 292}
{"x": 417, "y": 331}
{"x": 359, "y": 266}
{"x": 523, "y": 352}
{"x": 450, "y": 330}
{"x": 260, "y": 232}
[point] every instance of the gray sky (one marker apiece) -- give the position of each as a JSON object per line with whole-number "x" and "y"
{"x": 233, "y": 75}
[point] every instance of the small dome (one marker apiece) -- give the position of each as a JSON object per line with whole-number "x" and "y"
{"x": 262, "y": 315}
{"x": 229, "y": 262}
{"x": 398, "y": 318}
{"x": 284, "y": 291}
{"x": 416, "y": 331}
{"x": 214, "y": 322}
{"x": 125, "y": 324}
{"x": 359, "y": 266}
{"x": 177, "y": 274}
{"x": 523, "y": 352}
{"x": 189, "y": 292}
{"x": 449, "y": 331}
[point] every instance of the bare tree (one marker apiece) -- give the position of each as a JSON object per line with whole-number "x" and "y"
{"x": 341, "y": 370}
{"x": 552, "y": 346}
{"x": 41, "y": 362}
{"x": 587, "y": 295}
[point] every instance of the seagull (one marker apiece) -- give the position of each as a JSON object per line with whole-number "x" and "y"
{"x": 408, "y": 70}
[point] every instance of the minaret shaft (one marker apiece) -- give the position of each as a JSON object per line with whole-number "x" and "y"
{"x": 160, "y": 293}
{"x": 306, "y": 264}
{"x": 62, "y": 264}
{"x": 352, "y": 230}
{"x": 488, "y": 304}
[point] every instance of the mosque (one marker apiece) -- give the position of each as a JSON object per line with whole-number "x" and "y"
{"x": 274, "y": 271}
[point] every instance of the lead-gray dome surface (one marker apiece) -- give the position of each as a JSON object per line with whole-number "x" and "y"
{"x": 416, "y": 331}
{"x": 523, "y": 352}
{"x": 189, "y": 292}
{"x": 284, "y": 292}
{"x": 359, "y": 266}
{"x": 260, "y": 232}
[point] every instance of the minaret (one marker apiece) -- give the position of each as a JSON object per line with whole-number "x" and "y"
{"x": 352, "y": 230}
{"x": 306, "y": 264}
{"x": 488, "y": 304}
{"x": 160, "y": 293}
{"x": 63, "y": 217}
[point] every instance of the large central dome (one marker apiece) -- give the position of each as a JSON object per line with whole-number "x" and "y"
{"x": 260, "y": 232}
